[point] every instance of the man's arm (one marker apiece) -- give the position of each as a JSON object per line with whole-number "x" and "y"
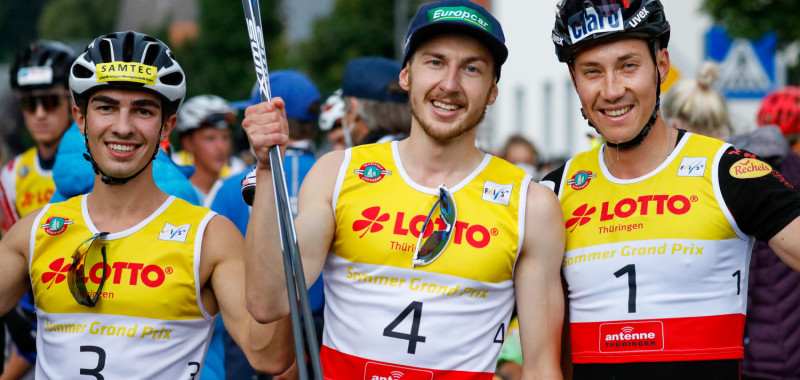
{"x": 540, "y": 299}
{"x": 786, "y": 244}
{"x": 14, "y": 263}
{"x": 268, "y": 347}
{"x": 267, "y": 297}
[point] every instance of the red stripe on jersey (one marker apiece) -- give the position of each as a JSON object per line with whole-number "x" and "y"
{"x": 340, "y": 366}
{"x": 675, "y": 339}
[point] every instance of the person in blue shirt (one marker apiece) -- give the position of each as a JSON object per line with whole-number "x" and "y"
{"x": 302, "y": 109}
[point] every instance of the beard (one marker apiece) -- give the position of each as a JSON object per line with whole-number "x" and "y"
{"x": 442, "y": 135}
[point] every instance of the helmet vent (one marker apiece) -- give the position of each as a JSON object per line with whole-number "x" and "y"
{"x": 150, "y": 54}
{"x": 80, "y": 71}
{"x": 127, "y": 47}
{"x": 106, "y": 55}
{"x": 172, "y": 79}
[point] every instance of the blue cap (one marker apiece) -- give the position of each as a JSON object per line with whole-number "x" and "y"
{"x": 462, "y": 16}
{"x": 375, "y": 78}
{"x": 297, "y": 90}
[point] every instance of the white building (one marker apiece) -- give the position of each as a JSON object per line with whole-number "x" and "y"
{"x": 536, "y": 96}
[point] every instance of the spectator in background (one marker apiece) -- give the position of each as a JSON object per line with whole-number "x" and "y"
{"x": 521, "y": 152}
{"x": 39, "y": 76}
{"x": 376, "y": 107}
{"x": 696, "y": 106}
{"x": 781, "y": 108}
{"x": 204, "y": 127}
{"x": 330, "y": 120}
{"x": 302, "y": 109}
{"x": 772, "y": 327}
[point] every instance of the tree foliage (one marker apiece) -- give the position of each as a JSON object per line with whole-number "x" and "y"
{"x": 218, "y": 61}
{"x": 354, "y": 28}
{"x": 753, "y": 18}
{"x": 17, "y": 26}
{"x": 81, "y": 20}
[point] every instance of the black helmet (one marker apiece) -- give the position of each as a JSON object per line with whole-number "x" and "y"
{"x": 43, "y": 64}
{"x": 582, "y": 22}
{"x": 129, "y": 59}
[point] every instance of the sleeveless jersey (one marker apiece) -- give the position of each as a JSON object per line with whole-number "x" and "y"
{"x": 27, "y": 186}
{"x": 447, "y": 320}
{"x": 656, "y": 265}
{"x": 149, "y": 322}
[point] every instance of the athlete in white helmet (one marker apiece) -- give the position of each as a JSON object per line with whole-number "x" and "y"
{"x": 128, "y": 280}
{"x": 330, "y": 120}
{"x": 204, "y": 128}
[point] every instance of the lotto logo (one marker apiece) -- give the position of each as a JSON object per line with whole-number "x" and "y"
{"x": 627, "y": 207}
{"x": 476, "y": 235}
{"x": 120, "y": 272}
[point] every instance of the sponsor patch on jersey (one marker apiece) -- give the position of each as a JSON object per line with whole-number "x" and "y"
{"x": 24, "y": 170}
{"x": 174, "y": 233}
{"x": 581, "y": 179}
{"x": 375, "y": 371}
{"x": 372, "y": 172}
{"x": 632, "y": 336}
{"x": 692, "y": 167}
{"x": 56, "y": 225}
{"x": 749, "y": 168}
{"x": 497, "y": 193}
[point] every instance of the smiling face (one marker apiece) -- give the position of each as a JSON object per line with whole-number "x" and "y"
{"x": 123, "y": 129}
{"x": 616, "y": 82}
{"x": 450, "y": 80}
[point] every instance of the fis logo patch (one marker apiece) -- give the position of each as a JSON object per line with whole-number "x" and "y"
{"x": 692, "y": 167}
{"x": 496, "y": 193}
{"x": 174, "y": 233}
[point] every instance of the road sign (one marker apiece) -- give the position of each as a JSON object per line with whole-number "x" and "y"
{"x": 746, "y": 67}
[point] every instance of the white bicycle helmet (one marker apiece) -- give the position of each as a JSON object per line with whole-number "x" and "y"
{"x": 332, "y": 111}
{"x": 205, "y": 111}
{"x": 132, "y": 60}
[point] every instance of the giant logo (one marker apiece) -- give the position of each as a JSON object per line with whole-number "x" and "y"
{"x": 677, "y": 204}
{"x": 475, "y": 235}
{"x": 120, "y": 272}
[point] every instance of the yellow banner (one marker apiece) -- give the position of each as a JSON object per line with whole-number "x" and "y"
{"x": 126, "y": 72}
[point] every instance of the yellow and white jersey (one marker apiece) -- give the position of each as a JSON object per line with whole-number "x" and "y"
{"x": 149, "y": 322}
{"x": 447, "y": 320}
{"x": 27, "y": 186}
{"x": 656, "y": 266}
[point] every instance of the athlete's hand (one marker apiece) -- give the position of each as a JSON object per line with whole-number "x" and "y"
{"x": 266, "y": 126}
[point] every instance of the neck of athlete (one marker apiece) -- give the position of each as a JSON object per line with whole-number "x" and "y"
{"x": 204, "y": 179}
{"x": 117, "y": 207}
{"x": 431, "y": 163}
{"x": 637, "y": 161}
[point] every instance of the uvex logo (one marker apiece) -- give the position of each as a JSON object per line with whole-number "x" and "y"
{"x": 129, "y": 273}
{"x": 644, "y": 205}
{"x": 475, "y": 235}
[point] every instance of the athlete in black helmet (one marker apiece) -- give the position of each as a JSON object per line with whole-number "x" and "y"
{"x": 660, "y": 222}
{"x": 39, "y": 76}
{"x": 128, "y": 281}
